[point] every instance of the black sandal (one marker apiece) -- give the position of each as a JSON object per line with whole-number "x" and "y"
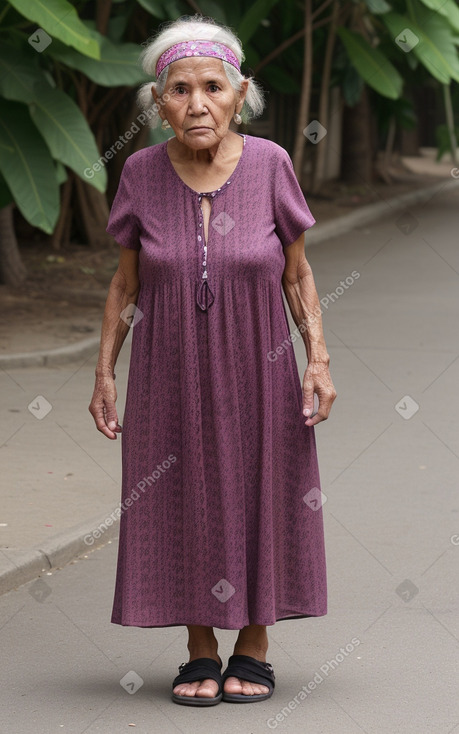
{"x": 195, "y": 670}
{"x": 250, "y": 669}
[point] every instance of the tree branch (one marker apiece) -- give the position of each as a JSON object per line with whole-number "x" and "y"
{"x": 103, "y": 10}
{"x": 305, "y": 99}
{"x": 285, "y": 44}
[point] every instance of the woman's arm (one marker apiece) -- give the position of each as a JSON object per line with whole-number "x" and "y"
{"x": 300, "y": 291}
{"x": 124, "y": 290}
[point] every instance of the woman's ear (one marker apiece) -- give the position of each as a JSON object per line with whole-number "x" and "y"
{"x": 242, "y": 94}
{"x": 157, "y": 98}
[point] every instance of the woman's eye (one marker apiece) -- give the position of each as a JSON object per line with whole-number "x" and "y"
{"x": 179, "y": 90}
{"x": 213, "y": 88}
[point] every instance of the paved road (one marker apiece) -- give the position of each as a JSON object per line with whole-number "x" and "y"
{"x": 384, "y": 658}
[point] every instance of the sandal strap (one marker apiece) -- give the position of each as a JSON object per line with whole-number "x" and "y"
{"x": 198, "y": 669}
{"x": 250, "y": 669}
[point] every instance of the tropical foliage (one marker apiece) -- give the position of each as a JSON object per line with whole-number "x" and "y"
{"x": 68, "y": 74}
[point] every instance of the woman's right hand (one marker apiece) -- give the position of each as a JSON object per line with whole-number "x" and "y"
{"x": 103, "y": 408}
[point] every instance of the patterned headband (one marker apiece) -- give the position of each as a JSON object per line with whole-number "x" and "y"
{"x": 196, "y": 48}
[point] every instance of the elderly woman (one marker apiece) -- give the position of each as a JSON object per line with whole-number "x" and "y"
{"x": 222, "y": 522}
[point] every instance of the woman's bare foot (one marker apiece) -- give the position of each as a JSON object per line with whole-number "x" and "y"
{"x": 202, "y": 643}
{"x": 252, "y": 640}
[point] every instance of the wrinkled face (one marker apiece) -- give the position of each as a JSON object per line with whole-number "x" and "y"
{"x": 202, "y": 101}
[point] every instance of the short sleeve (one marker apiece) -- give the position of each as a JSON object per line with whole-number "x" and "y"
{"x": 123, "y": 222}
{"x": 292, "y": 215}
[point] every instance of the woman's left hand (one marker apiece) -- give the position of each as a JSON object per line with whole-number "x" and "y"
{"x": 317, "y": 380}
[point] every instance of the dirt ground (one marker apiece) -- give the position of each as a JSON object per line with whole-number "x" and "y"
{"x": 62, "y": 300}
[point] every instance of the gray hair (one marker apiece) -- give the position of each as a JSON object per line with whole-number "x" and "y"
{"x": 191, "y": 29}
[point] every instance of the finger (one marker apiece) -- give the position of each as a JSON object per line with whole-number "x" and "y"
{"x": 97, "y": 413}
{"x": 107, "y": 432}
{"x": 103, "y": 428}
{"x": 323, "y": 411}
{"x": 111, "y": 416}
{"x": 315, "y": 420}
{"x": 308, "y": 398}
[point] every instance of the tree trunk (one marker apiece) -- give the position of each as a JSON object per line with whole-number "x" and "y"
{"x": 62, "y": 229}
{"x": 103, "y": 10}
{"x": 94, "y": 213}
{"x": 324, "y": 102}
{"x": 449, "y": 115}
{"x": 305, "y": 99}
{"x": 384, "y": 169}
{"x": 356, "y": 162}
{"x": 12, "y": 268}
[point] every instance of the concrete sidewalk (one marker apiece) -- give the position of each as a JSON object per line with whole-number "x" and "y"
{"x": 388, "y": 458}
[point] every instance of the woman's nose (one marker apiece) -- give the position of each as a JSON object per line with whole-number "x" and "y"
{"x": 197, "y": 102}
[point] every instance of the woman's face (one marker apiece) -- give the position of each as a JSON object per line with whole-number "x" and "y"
{"x": 201, "y": 101}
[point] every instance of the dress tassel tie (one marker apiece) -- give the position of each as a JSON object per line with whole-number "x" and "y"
{"x": 204, "y": 296}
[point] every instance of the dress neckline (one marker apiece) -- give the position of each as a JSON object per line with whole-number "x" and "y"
{"x": 215, "y": 191}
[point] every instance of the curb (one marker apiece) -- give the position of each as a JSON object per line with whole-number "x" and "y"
{"x": 19, "y": 566}
{"x": 51, "y": 357}
{"x": 373, "y": 212}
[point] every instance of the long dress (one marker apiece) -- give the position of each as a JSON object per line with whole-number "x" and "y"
{"x": 217, "y": 526}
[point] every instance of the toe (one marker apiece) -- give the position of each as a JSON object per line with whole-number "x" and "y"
{"x": 207, "y": 689}
{"x": 260, "y": 689}
{"x": 186, "y": 689}
{"x": 247, "y": 688}
{"x": 253, "y": 689}
{"x": 233, "y": 685}
{"x": 237, "y": 685}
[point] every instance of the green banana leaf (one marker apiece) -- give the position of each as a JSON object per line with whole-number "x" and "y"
{"x": 251, "y": 19}
{"x": 436, "y": 28}
{"x": 27, "y": 167}
{"x": 118, "y": 65}
{"x": 174, "y": 9}
{"x": 378, "y": 7}
{"x": 154, "y": 7}
{"x": 214, "y": 9}
{"x": 19, "y": 74}
{"x": 58, "y": 119}
{"x": 67, "y": 134}
{"x": 61, "y": 173}
{"x": 372, "y": 66}
{"x": 435, "y": 48}
{"x": 60, "y": 19}
{"x": 447, "y": 8}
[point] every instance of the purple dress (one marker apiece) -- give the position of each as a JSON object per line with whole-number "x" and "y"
{"x": 216, "y": 525}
